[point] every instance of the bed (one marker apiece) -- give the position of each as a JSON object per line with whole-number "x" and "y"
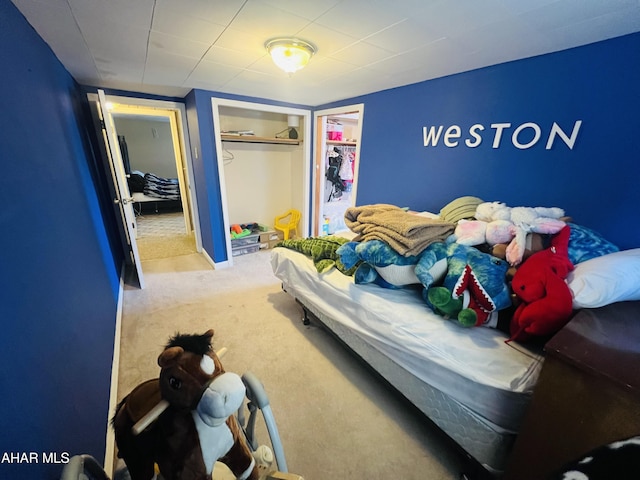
{"x": 472, "y": 383}
{"x": 474, "y": 386}
{"x": 152, "y": 193}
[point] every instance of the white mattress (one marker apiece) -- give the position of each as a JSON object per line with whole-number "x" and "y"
{"x": 473, "y": 366}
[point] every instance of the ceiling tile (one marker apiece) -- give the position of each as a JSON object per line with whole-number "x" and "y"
{"x": 241, "y": 41}
{"x": 319, "y": 70}
{"x": 172, "y": 21}
{"x": 327, "y": 40}
{"x": 220, "y": 12}
{"x": 123, "y": 12}
{"x": 235, "y": 58}
{"x": 212, "y": 73}
{"x": 265, "y": 21}
{"x": 402, "y": 36}
{"x": 162, "y": 42}
{"x": 359, "y": 18}
{"x": 309, "y": 9}
{"x": 361, "y": 54}
{"x": 116, "y": 42}
{"x": 597, "y": 28}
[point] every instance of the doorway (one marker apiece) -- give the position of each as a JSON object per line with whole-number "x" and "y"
{"x": 336, "y": 164}
{"x": 154, "y": 154}
{"x": 148, "y": 146}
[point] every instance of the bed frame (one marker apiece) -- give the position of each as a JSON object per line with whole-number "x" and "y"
{"x": 484, "y": 445}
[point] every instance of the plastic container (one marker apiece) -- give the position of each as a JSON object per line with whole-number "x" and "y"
{"x": 325, "y": 226}
{"x": 235, "y": 252}
{"x": 248, "y": 240}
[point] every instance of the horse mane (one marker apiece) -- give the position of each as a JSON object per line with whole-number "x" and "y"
{"x": 198, "y": 344}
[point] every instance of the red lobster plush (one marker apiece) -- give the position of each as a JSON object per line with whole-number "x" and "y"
{"x": 540, "y": 284}
{"x": 197, "y": 428}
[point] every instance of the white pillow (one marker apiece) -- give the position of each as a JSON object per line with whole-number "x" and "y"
{"x": 610, "y": 278}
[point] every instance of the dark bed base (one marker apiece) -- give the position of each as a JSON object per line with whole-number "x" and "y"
{"x": 161, "y": 206}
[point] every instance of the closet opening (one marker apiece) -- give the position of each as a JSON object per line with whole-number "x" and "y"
{"x": 264, "y": 171}
{"x": 336, "y": 165}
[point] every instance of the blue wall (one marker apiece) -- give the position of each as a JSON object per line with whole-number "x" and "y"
{"x": 596, "y": 182}
{"x": 60, "y": 278}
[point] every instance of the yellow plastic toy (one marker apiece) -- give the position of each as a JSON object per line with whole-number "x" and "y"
{"x": 288, "y": 222}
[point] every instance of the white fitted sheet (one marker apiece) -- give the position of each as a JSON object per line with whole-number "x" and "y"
{"x": 473, "y": 366}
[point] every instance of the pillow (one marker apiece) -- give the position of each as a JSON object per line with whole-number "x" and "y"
{"x": 610, "y": 278}
{"x": 585, "y": 244}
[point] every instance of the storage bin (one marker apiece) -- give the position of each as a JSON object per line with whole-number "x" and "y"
{"x": 270, "y": 236}
{"x": 248, "y": 240}
{"x": 235, "y": 252}
{"x": 334, "y": 131}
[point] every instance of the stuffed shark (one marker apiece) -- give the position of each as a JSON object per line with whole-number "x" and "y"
{"x": 474, "y": 288}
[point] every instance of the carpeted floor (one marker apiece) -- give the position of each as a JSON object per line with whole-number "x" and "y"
{"x": 163, "y": 235}
{"x": 161, "y": 224}
{"x": 336, "y": 420}
{"x": 153, "y": 248}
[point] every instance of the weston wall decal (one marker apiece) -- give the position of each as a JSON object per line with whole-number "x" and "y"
{"x": 524, "y": 136}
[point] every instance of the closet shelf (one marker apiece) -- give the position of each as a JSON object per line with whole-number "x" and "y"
{"x": 256, "y": 139}
{"x": 341, "y": 142}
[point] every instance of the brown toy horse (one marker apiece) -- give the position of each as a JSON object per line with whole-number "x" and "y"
{"x": 197, "y": 428}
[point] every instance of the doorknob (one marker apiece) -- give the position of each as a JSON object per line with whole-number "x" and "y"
{"x": 124, "y": 200}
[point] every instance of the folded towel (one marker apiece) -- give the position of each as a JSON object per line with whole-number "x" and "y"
{"x": 460, "y": 208}
{"x": 407, "y": 233}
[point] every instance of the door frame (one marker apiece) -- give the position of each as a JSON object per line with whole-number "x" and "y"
{"x": 120, "y": 111}
{"x": 122, "y": 199}
{"x": 183, "y": 150}
{"x": 320, "y": 153}
{"x": 216, "y": 103}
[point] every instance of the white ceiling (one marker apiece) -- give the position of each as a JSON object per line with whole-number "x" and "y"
{"x": 168, "y": 47}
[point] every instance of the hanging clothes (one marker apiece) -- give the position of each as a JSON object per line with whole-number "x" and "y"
{"x": 346, "y": 169}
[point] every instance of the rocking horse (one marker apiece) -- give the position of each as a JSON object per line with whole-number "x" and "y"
{"x": 183, "y": 421}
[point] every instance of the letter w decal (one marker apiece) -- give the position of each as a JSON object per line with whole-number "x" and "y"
{"x": 430, "y": 136}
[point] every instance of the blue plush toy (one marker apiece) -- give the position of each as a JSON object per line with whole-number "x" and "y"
{"x": 459, "y": 281}
{"x": 382, "y": 265}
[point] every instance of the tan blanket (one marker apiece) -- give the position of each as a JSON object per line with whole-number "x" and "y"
{"x": 406, "y": 233}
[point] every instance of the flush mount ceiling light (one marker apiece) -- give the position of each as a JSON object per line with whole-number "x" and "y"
{"x": 290, "y": 54}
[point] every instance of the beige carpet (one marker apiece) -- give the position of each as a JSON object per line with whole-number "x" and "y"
{"x": 153, "y": 248}
{"x": 336, "y": 420}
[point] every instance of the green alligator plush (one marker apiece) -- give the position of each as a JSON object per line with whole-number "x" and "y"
{"x": 322, "y": 250}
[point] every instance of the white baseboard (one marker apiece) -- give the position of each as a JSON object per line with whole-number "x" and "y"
{"x": 109, "y": 455}
{"x": 210, "y": 260}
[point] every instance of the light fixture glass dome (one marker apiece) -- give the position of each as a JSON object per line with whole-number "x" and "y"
{"x": 290, "y": 54}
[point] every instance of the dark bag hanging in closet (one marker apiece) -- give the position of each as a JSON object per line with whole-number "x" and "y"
{"x": 333, "y": 171}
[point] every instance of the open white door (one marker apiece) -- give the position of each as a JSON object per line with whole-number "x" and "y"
{"x": 123, "y": 197}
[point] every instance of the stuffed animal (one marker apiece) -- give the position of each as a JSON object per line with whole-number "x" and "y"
{"x": 323, "y": 251}
{"x": 197, "y": 428}
{"x": 539, "y": 283}
{"x": 474, "y": 288}
{"x": 377, "y": 262}
{"x": 512, "y": 224}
